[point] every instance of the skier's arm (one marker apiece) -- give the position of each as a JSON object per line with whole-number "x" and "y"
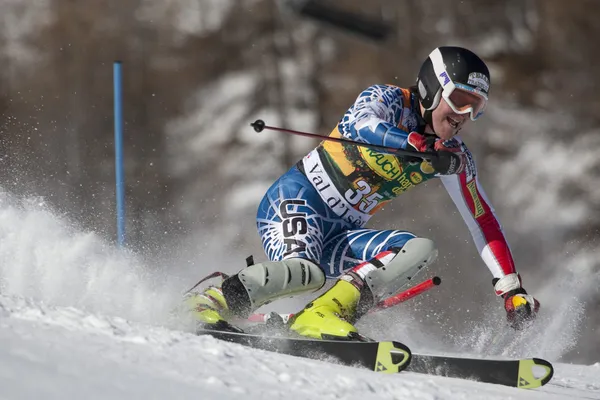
{"x": 478, "y": 213}
{"x": 374, "y": 116}
{"x": 476, "y": 210}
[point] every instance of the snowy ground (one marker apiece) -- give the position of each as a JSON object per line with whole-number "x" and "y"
{"x": 80, "y": 319}
{"x": 58, "y": 353}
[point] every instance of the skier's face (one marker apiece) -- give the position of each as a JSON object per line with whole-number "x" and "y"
{"x": 447, "y": 123}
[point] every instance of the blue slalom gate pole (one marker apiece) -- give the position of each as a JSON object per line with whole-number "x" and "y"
{"x": 119, "y": 178}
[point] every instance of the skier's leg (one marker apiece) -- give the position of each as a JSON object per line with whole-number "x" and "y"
{"x": 240, "y": 294}
{"x": 391, "y": 258}
{"x": 293, "y": 223}
{"x": 265, "y": 282}
{"x": 375, "y": 264}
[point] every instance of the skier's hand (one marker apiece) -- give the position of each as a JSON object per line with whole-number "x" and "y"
{"x": 450, "y": 160}
{"x": 521, "y": 308}
{"x": 420, "y": 143}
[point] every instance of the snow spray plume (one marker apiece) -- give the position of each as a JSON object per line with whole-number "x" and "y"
{"x": 45, "y": 257}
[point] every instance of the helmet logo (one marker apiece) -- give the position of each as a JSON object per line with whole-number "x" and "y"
{"x": 446, "y": 78}
{"x": 479, "y": 80}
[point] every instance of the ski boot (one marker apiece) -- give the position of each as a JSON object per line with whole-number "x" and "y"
{"x": 332, "y": 315}
{"x": 210, "y": 310}
{"x": 254, "y": 286}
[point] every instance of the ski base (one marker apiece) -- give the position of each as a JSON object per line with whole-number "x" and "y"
{"x": 386, "y": 357}
{"x": 527, "y": 373}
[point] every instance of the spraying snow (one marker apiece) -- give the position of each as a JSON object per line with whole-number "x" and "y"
{"x": 82, "y": 318}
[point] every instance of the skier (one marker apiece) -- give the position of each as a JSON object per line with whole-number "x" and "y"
{"x": 311, "y": 219}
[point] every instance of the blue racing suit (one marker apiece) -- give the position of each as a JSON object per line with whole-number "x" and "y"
{"x": 317, "y": 210}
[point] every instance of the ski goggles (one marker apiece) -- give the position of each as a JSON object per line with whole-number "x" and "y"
{"x": 464, "y": 99}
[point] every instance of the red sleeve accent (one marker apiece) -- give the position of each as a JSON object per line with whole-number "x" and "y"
{"x": 488, "y": 223}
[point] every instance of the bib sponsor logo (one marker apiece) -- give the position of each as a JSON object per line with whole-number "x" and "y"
{"x": 479, "y": 211}
{"x": 340, "y": 204}
{"x": 405, "y": 184}
{"x": 384, "y": 165}
{"x": 426, "y": 167}
{"x": 416, "y": 178}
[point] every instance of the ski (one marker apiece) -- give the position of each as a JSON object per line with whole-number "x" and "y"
{"x": 526, "y": 373}
{"x": 389, "y": 356}
{"x": 386, "y": 357}
{"x": 393, "y": 357}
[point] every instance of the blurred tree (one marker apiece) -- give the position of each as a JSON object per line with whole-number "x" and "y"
{"x": 72, "y": 100}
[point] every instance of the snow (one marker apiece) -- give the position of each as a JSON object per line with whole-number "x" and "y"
{"x": 80, "y": 318}
{"x": 58, "y": 353}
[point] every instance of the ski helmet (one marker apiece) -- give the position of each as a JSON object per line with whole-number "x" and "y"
{"x": 459, "y": 76}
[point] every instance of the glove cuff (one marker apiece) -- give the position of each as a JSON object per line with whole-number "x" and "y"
{"x": 420, "y": 142}
{"x": 508, "y": 285}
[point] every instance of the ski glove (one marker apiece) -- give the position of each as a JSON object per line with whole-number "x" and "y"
{"x": 450, "y": 160}
{"x": 521, "y": 308}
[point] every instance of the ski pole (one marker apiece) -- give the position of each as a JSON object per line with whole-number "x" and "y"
{"x": 259, "y": 126}
{"x": 213, "y": 275}
{"x": 382, "y": 305}
{"x": 408, "y": 294}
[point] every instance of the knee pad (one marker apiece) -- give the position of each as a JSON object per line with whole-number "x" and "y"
{"x": 263, "y": 283}
{"x": 396, "y": 270}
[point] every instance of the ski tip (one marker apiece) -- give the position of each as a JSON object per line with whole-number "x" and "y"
{"x": 534, "y": 372}
{"x": 401, "y": 346}
{"x": 550, "y": 369}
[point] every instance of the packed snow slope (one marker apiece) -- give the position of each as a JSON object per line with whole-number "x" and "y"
{"x": 58, "y": 353}
{"x": 81, "y": 319}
